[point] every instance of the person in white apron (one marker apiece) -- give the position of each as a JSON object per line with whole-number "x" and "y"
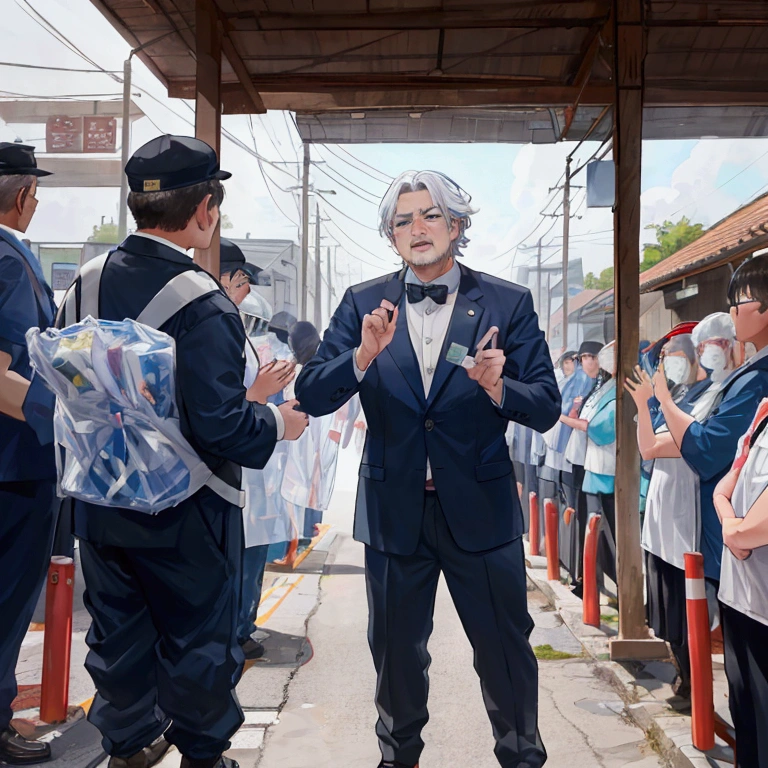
{"x": 672, "y": 521}
{"x": 741, "y": 500}
{"x": 269, "y": 369}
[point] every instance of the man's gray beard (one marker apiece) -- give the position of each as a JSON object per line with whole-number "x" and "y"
{"x": 435, "y": 260}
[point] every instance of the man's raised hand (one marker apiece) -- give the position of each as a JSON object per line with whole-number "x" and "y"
{"x": 377, "y": 332}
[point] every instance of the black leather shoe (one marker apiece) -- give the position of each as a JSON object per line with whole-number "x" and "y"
{"x": 395, "y": 764}
{"x": 218, "y": 762}
{"x": 252, "y": 649}
{"x": 17, "y": 750}
{"x": 146, "y": 758}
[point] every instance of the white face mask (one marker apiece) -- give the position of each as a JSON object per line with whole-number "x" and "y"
{"x": 607, "y": 359}
{"x": 713, "y": 358}
{"x": 677, "y": 369}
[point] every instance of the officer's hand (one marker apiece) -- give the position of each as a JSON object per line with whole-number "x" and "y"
{"x": 272, "y": 378}
{"x": 295, "y": 421}
{"x": 377, "y": 332}
{"x": 488, "y": 370}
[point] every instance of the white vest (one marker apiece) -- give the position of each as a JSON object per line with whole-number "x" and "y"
{"x": 744, "y": 583}
{"x": 672, "y": 523}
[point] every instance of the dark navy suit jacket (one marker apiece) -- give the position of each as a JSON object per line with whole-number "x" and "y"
{"x": 26, "y": 301}
{"x": 226, "y": 431}
{"x": 458, "y": 426}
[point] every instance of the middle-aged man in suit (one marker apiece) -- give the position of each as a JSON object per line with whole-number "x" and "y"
{"x": 437, "y": 490}
{"x": 28, "y": 502}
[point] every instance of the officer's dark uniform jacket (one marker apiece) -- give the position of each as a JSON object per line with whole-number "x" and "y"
{"x": 226, "y": 431}
{"x": 26, "y": 302}
{"x": 27, "y": 469}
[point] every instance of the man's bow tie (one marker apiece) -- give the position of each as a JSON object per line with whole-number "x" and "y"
{"x": 417, "y": 292}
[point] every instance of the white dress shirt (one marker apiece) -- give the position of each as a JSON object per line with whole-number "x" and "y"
{"x": 428, "y": 324}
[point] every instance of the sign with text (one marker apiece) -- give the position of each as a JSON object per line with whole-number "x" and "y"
{"x": 64, "y": 134}
{"x": 62, "y": 275}
{"x": 99, "y": 134}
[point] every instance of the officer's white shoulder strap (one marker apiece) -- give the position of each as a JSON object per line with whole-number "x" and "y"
{"x": 175, "y": 295}
{"x": 90, "y": 282}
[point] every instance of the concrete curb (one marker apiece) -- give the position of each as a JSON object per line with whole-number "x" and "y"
{"x": 643, "y": 690}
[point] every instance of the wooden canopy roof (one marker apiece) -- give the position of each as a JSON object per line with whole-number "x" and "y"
{"x": 320, "y": 56}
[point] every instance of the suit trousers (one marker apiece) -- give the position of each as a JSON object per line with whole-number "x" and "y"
{"x": 489, "y": 592}
{"x": 27, "y": 520}
{"x": 163, "y": 644}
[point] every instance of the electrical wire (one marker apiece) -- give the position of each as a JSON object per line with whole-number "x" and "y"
{"x": 356, "y": 245}
{"x": 345, "y": 215}
{"x": 387, "y": 178}
{"x": 336, "y": 181}
{"x": 60, "y": 69}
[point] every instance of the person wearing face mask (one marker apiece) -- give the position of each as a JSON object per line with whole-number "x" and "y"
{"x": 681, "y": 366}
{"x": 672, "y": 521}
{"x": 709, "y": 445}
{"x": 573, "y": 443}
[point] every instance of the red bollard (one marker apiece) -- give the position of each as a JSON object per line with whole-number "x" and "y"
{"x": 700, "y": 645}
{"x": 551, "y": 543}
{"x": 568, "y": 515}
{"x": 534, "y": 527}
{"x": 591, "y": 595}
{"x": 57, "y": 643}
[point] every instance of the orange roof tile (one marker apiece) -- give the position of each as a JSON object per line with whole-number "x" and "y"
{"x": 738, "y": 234}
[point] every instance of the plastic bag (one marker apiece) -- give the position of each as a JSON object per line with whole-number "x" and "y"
{"x": 116, "y": 424}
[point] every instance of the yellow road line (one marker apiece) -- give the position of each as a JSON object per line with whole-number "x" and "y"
{"x": 311, "y": 545}
{"x": 261, "y": 620}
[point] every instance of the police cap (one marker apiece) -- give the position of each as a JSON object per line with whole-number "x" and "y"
{"x": 19, "y": 160}
{"x": 172, "y": 162}
{"x": 232, "y": 259}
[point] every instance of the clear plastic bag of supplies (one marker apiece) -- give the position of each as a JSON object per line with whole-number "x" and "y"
{"x": 116, "y": 424}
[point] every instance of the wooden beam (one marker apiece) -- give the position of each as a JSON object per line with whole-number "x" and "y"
{"x": 629, "y": 55}
{"x": 481, "y": 18}
{"x": 208, "y": 102}
{"x": 580, "y": 82}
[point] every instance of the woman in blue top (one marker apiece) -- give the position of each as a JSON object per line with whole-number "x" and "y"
{"x": 597, "y": 419}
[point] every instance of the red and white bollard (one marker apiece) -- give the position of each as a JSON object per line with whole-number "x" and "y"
{"x": 700, "y": 649}
{"x": 534, "y": 527}
{"x": 57, "y": 643}
{"x": 551, "y": 539}
{"x": 591, "y": 594}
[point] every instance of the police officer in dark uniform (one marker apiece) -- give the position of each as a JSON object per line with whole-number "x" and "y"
{"x": 28, "y": 500}
{"x": 163, "y": 590}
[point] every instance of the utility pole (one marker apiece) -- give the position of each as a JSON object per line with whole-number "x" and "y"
{"x": 318, "y": 273}
{"x": 538, "y": 278}
{"x": 566, "y": 234}
{"x": 304, "y": 235}
{"x": 122, "y": 217}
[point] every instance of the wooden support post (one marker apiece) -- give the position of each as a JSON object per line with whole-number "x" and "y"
{"x": 208, "y": 103}
{"x": 629, "y": 53}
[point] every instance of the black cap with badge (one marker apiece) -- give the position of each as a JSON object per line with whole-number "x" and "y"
{"x": 172, "y": 162}
{"x": 19, "y": 160}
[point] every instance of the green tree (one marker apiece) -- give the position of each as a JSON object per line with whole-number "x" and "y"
{"x": 104, "y": 233}
{"x": 670, "y": 238}
{"x": 601, "y": 282}
{"x": 226, "y": 222}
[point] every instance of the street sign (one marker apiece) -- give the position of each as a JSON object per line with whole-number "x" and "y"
{"x": 100, "y": 134}
{"x": 64, "y": 134}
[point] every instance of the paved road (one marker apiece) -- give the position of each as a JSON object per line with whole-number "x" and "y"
{"x": 328, "y": 716}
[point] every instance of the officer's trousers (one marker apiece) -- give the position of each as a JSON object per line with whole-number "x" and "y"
{"x": 26, "y": 532}
{"x": 489, "y": 592}
{"x": 163, "y": 650}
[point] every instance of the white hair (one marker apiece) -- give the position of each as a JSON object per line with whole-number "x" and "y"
{"x": 446, "y": 194}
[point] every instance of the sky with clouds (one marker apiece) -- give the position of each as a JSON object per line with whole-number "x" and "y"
{"x": 510, "y": 184}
